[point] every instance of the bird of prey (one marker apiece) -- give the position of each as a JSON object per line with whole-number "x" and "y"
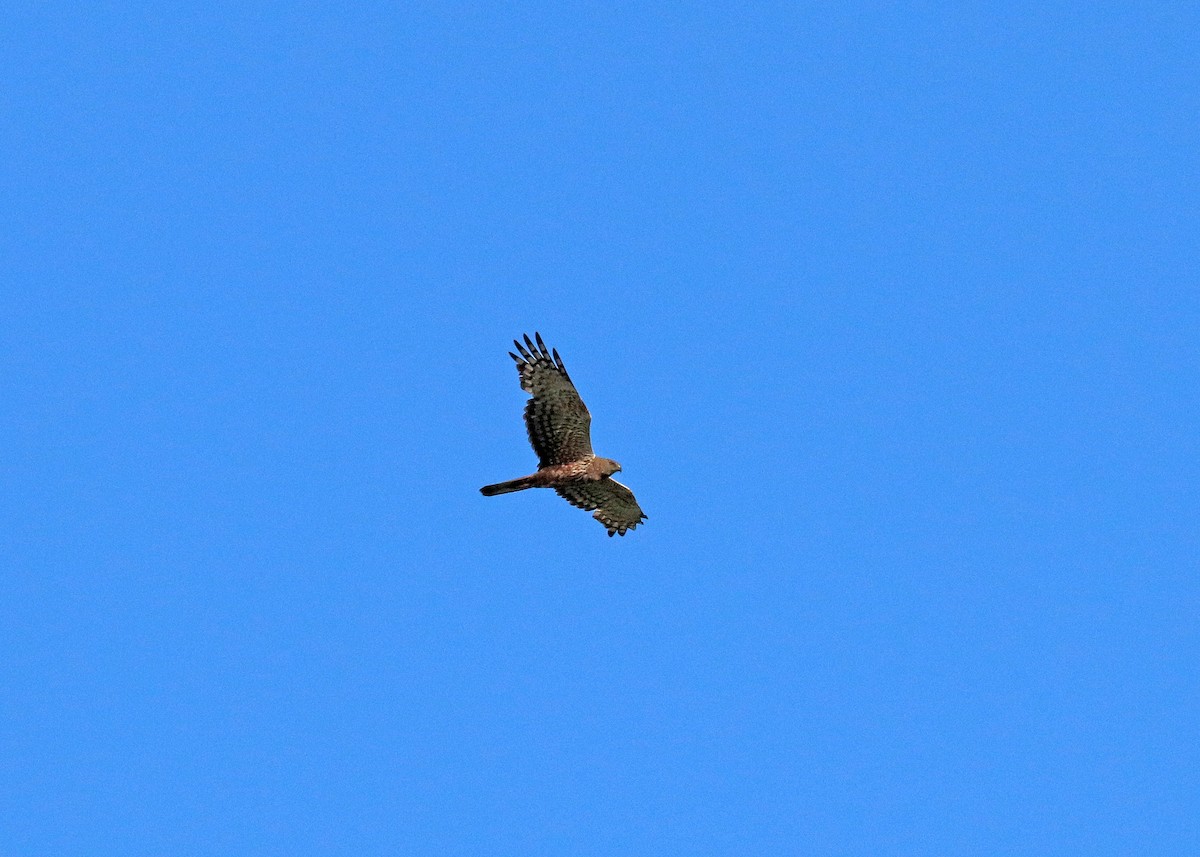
{"x": 559, "y": 427}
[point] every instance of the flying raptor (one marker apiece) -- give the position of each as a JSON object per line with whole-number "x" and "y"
{"x": 559, "y": 428}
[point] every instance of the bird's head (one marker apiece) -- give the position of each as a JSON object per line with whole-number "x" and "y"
{"x": 608, "y": 467}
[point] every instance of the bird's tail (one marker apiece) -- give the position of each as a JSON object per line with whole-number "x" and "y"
{"x": 508, "y": 487}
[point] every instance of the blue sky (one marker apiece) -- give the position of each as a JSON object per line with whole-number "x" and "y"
{"x": 889, "y": 311}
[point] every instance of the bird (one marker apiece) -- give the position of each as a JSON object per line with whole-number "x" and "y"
{"x": 559, "y": 427}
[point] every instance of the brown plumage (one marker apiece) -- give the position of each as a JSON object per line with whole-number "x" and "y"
{"x": 559, "y": 427}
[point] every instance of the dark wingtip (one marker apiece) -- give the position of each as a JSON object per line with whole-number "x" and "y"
{"x": 529, "y": 342}
{"x": 541, "y": 344}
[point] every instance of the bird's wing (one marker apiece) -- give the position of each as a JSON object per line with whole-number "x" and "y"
{"x": 614, "y": 504}
{"x": 558, "y": 421}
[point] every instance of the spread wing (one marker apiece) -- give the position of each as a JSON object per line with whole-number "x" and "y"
{"x": 614, "y": 504}
{"x": 558, "y": 422}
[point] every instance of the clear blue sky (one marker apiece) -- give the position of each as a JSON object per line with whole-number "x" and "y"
{"x": 890, "y": 311}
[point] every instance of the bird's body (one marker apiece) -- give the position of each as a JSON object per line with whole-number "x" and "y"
{"x": 555, "y": 475}
{"x": 559, "y": 427}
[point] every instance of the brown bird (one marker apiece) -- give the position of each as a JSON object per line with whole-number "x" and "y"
{"x": 559, "y": 428}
